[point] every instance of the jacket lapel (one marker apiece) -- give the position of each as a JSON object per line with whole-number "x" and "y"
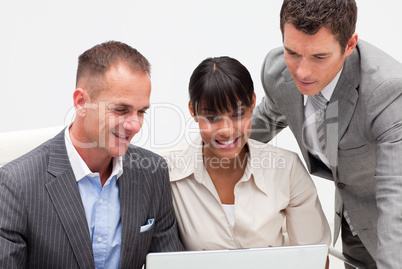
{"x": 341, "y": 108}
{"x": 64, "y": 193}
{"x": 131, "y": 203}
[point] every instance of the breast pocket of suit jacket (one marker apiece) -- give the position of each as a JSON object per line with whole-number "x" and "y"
{"x": 146, "y": 232}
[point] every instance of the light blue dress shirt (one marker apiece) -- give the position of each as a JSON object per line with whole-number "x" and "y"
{"x": 102, "y": 208}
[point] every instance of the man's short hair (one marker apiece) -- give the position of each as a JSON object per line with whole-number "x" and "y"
{"x": 93, "y": 63}
{"x": 339, "y": 16}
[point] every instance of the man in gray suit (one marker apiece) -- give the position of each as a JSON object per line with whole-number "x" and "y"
{"x": 342, "y": 99}
{"x": 87, "y": 198}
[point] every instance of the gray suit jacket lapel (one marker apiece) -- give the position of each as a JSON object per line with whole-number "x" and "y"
{"x": 66, "y": 199}
{"x": 341, "y": 108}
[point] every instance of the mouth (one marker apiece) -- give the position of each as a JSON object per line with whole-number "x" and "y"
{"x": 227, "y": 144}
{"x": 121, "y": 136}
{"x": 305, "y": 83}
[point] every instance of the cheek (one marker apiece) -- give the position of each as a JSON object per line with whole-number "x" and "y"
{"x": 245, "y": 126}
{"x": 205, "y": 129}
{"x": 111, "y": 121}
{"x": 290, "y": 63}
{"x": 141, "y": 120}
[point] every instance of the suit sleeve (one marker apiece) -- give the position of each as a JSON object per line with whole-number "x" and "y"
{"x": 267, "y": 120}
{"x": 13, "y": 247}
{"x": 384, "y": 108}
{"x": 166, "y": 237}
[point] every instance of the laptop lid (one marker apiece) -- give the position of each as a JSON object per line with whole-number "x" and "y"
{"x": 287, "y": 257}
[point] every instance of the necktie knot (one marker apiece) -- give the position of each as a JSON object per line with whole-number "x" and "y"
{"x": 319, "y": 102}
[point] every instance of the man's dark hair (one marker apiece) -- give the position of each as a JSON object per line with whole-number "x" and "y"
{"x": 93, "y": 63}
{"x": 339, "y": 16}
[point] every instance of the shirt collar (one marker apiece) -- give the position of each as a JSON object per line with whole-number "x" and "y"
{"x": 190, "y": 161}
{"x": 329, "y": 89}
{"x": 78, "y": 165}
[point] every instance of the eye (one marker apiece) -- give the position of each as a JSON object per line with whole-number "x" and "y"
{"x": 142, "y": 112}
{"x": 320, "y": 58}
{"x": 212, "y": 118}
{"x": 238, "y": 114}
{"x": 291, "y": 53}
{"x": 120, "y": 111}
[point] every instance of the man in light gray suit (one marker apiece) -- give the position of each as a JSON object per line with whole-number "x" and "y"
{"x": 88, "y": 198}
{"x": 342, "y": 99}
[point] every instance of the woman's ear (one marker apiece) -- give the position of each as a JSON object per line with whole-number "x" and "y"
{"x": 191, "y": 109}
{"x": 253, "y": 102}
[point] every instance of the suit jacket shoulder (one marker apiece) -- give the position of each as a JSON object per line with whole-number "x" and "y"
{"x": 274, "y": 70}
{"x": 43, "y": 211}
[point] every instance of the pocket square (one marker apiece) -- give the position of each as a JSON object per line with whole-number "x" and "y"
{"x": 147, "y": 226}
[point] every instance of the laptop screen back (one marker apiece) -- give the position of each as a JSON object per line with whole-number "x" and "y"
{"x": 288, "y": 257}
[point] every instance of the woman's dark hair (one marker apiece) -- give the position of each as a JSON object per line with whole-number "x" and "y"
{"x": 219, "y": 84}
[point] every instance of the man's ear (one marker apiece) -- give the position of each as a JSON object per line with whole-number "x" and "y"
{"x": 191, "y": 109}
{"x": 351, "y": 44}
{"x": 80, "y": 98}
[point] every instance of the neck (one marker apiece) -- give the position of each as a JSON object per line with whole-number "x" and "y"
{"x": 96, "y": 160}
{"x": 225, "y": 173}
{"x": 226, "y": 165}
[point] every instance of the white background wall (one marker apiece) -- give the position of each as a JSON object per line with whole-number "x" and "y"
{"x": 41, "y": 40}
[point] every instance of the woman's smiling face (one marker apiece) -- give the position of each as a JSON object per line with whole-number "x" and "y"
{"x": 224, "y": 134}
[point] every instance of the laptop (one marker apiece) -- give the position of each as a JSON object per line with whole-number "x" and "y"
{"x": 286, "y": 257}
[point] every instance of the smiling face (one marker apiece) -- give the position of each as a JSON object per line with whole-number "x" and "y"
{"x": 314, "y": 60}
{"x": 106, "y": 124}
{"x": 224, "y": 134}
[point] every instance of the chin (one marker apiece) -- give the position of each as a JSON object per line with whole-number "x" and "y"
{"x": 228, "y": 154}
{"x": 117, "y": 152}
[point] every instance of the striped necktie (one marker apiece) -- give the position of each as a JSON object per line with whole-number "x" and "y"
{"x": 320, "y": 104}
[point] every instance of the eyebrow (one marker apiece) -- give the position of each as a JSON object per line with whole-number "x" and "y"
{"x": 322, "y": 54}
{"x": 130, "y": 106}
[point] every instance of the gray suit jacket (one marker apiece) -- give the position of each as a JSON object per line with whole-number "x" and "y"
{"x": 42, "y": 219}
{"x": 364, "y": 142}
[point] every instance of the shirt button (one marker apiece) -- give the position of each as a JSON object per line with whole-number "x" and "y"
{"x": 341, "y": 185}
{"x": 100, "y": 201}
{"x": 99, "y": 239}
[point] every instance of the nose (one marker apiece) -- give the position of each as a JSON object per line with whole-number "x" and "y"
{"x": 133, "y": 123}
{"x": 303, "y": 69}
{"x": 226, "y": 127}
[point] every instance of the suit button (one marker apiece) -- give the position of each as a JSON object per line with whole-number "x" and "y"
{"x": 340, "y": 185}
